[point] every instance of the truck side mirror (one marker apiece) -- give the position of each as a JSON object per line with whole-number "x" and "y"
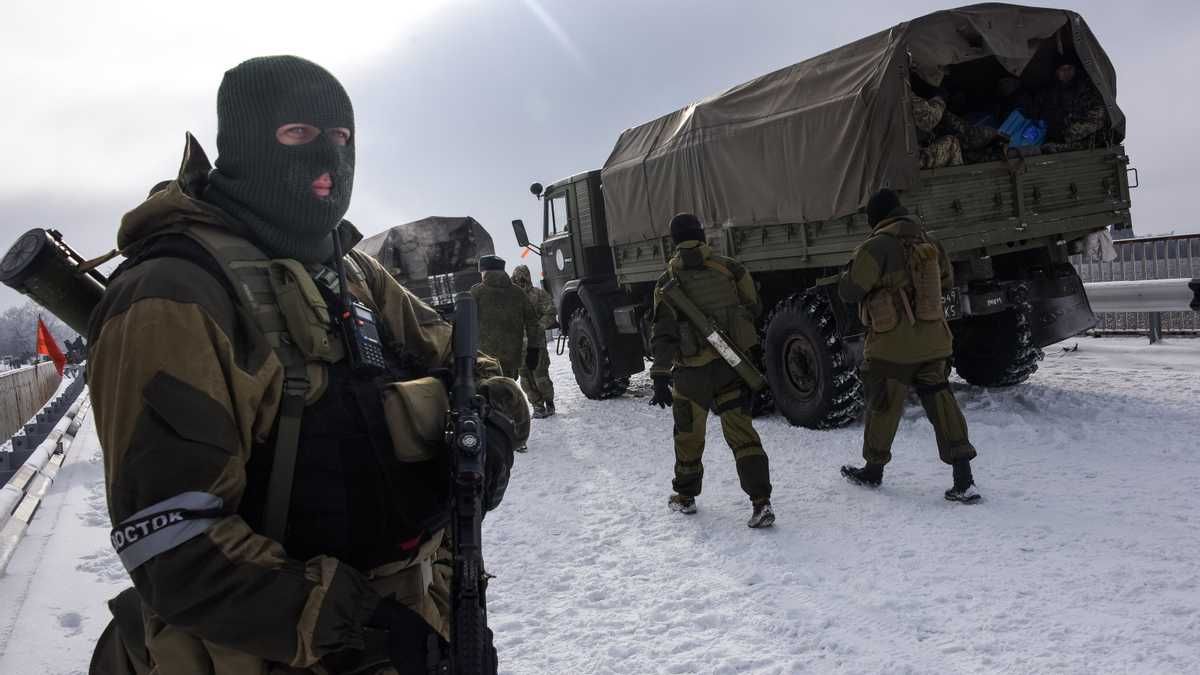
{"x": 536, "y": 189}
{"x": 519, "y": 230}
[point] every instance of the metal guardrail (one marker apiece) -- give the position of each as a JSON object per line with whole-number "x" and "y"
{"x": 1143, "y": 258}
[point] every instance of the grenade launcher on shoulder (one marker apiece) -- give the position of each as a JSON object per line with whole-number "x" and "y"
{"x": 42, "y": 266}
{"x": 716, "y": 336}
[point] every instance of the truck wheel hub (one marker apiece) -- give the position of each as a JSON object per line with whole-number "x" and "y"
{"x": 800, "y": 364}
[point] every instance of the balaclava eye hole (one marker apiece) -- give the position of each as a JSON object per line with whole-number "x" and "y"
{"x": 268, "y": 185}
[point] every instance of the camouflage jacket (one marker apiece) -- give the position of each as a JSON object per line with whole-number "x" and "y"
{"x": 185, "y": 388}
{"x": 542, "y": 302}
{"x": 879, "y": 263}
{"x": 506, "y": 319}
{"x": 1072, "y": 113}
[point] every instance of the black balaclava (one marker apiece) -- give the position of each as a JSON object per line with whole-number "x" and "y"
{"x": 268, "y": 185}
{"x": 883, "y": 205}
{"x": 686, "y": 227}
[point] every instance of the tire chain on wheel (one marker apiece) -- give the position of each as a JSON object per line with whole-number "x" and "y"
{"x": 613, "y": 386}
{"x": 1025, "y": 362}
{"x": 847, "y": 404}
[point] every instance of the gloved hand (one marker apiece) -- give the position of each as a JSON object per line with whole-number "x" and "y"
{"x": 531, "y": 358}
{"x": 414, "y": 647}
{"x": 662, "y": 391}
{"x": 497, "y": 465}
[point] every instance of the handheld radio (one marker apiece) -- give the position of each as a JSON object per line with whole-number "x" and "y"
{"x": 360, "y": 330}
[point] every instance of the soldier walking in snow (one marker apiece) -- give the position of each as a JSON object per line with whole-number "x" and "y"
{"x": 722, "y": 289}
{"x": 506, "y": 319}
{"x": 897, "y": 276}
{"x": 536, "y": 382}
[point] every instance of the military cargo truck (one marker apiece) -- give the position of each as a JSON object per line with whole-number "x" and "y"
{"x": 434, "y": 257}
{"x": 779, "y": 170}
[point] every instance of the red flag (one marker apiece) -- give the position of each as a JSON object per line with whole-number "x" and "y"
{"x": 46, "y": 345}
{"x": 524, "y": 252}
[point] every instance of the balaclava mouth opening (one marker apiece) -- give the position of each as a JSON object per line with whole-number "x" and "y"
{"x": 268, "y": 185}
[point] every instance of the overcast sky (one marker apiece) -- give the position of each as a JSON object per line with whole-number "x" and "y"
{"x": 461, "y": 104}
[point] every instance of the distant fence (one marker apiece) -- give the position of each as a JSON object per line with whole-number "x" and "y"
{"x": 22, "y": 393}
{"x": 1170, "y": 257}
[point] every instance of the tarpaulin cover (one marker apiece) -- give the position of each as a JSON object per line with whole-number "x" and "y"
{"x": 812, "y": 141}
{"x": 430, "y": 246}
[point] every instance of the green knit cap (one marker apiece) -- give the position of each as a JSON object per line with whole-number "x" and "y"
{"x": 268, "y": 185}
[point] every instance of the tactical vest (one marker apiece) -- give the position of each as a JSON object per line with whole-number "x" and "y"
{"x": 330, "y": 483}
{"x": 712, "y": 287}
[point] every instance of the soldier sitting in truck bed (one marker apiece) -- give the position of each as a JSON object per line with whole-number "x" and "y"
{"x": 1074, "y": 111}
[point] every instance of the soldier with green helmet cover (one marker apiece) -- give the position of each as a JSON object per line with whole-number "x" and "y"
{"x": 897, "y": 277}
{"x": 538, "y": 386}
{"x": 703, "y": 380}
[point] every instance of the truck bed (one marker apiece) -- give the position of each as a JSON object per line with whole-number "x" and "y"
{"x": 990, "y": 208}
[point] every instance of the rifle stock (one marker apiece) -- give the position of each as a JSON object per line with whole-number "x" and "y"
{"x": 468, "y": 621}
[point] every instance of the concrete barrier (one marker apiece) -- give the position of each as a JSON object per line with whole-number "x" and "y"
{"x": 23, "y": 493}
{"x": 22, "y": 393}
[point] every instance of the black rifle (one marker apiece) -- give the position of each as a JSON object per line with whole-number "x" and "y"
{"x": 470, "y": 652}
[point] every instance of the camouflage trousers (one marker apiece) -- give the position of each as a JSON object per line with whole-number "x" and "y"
{"x": 538, "y": 386}
{"x": 887, "y": 387}
{"x": 716, "y": 386}
{"x": 943, "y": 151}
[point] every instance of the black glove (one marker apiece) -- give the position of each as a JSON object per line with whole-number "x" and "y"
{"x": 497, "y": 464}
{"x": 662, "y": 391}
{"x": 413, "y": 645}
{"x": 531, "y": 358}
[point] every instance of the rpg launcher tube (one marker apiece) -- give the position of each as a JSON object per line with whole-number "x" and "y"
{"x": 41, "y": 266}
{"x": 715, "y": 336}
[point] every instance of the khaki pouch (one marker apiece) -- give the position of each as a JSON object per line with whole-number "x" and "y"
{"x": 304, "y": 311}
{"x": 416, "y": 417}
{"x": 880, "y": 308}
{"x": 927, "y": 280}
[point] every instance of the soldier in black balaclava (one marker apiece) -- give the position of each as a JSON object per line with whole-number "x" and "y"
{"x": 278, "y": 503}
{"x": 285, "y": 162}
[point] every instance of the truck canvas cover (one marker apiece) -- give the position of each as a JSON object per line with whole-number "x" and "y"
{"x": 812, "y": 141}
{"x": 432, "y": 257}
{"x": 429, "y": 246}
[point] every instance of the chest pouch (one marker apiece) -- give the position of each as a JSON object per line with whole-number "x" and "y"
{"x": 879, "y": 310}
{"x": 305, "y": 312}
{"x": 689, "y": 342}
{"x": 416, "y": 417}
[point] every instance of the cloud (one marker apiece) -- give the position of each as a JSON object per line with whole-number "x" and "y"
{"x": 461, "y": 105}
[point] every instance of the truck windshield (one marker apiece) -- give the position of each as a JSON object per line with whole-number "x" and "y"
{"x": 556, "y": 217}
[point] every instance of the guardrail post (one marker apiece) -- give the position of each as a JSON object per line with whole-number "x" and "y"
{"x": 1154, "y": 320}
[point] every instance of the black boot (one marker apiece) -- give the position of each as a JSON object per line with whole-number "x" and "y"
{"x": 964, "y": 484}
{"x": 870, "y": 475}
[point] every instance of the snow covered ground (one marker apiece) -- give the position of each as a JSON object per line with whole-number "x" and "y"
{"x": 1083, "y": 557}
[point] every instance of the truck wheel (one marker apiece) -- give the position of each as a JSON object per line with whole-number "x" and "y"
{"x": 590, "y": 361}
{"x": 811, "y": 375}
{"x": 996, "y": 350}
